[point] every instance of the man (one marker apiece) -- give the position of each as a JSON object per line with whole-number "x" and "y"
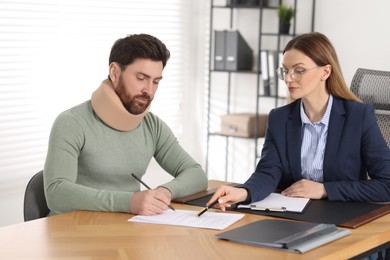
{"x": 95, "y": 147}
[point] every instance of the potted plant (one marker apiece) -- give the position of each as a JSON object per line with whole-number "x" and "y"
{"x": 285, "y": 13}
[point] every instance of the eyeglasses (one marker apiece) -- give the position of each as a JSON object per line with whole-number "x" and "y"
{"x": 296, "y": 73}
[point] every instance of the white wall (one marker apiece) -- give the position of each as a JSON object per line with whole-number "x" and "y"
{"x": 359, "y": 32}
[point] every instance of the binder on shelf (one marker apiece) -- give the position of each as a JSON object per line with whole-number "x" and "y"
{"x": 282, "y": 88}
{"x": 239, "y": 56}
{"x": 219, "y": 52}
{"x": 268, "y": 68}
{"x": 292, "y": 236}
{"x": 272, "y": 66}
{"x": 231, "y": 51}
{"x": 265, "y": 72}
{"x": 246, "y": 3}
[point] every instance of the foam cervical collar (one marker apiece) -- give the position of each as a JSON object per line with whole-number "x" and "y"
{"x": 109, "y": 108}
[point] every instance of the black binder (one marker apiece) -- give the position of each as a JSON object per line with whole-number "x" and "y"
{"x": 231, "y": 52}
{"x": 219, "y": 50}
{"x": 293, "y": 236}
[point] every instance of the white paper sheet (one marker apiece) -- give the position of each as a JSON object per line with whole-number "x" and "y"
{"x": 188, "y": 218}
{"x": 277, "y": 201}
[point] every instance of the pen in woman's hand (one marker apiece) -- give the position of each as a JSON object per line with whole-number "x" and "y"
{"x": 207, "y": 208}
{"x": 146, "y": 186}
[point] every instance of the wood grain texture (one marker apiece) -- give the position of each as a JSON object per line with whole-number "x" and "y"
{"x": 102, "y": 235}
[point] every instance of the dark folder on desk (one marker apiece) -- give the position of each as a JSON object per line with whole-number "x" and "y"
{"x": 200, "y": 198}
{"x": 292, "y": 236}
{"x": 340, "y": 213}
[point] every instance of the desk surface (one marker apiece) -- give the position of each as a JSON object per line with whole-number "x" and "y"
{"x": 104, "y": 235}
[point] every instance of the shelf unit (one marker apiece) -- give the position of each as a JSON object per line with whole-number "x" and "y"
{"x": 262, "y": 33}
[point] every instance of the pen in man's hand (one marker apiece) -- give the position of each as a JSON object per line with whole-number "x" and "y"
{"x": 207, "y": 208}
{"x": 146, "y": 186}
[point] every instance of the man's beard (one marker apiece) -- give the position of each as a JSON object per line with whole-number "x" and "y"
{"x": 130, "y": 102}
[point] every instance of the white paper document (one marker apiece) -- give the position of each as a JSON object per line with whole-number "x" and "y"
{"x": 278, "y": 202}
{"x": 188, "y": 218}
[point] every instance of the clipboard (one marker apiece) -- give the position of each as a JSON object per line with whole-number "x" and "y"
{"x": 276, "y": 202}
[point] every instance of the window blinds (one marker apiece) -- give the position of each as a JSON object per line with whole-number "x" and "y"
{"x": 54, "y": 54}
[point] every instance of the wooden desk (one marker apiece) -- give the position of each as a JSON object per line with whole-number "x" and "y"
{"x": 102, "y": 235}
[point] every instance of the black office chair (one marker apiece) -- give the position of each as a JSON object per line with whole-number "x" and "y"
{"x": 373, "y": 87}
{"x": 35, "y": 205}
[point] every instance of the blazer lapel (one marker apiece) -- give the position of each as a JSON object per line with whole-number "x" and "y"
{"x": 294, "y": 140}
{"x": 335, "y": 128}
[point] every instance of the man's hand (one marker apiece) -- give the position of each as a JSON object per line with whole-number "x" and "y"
{"x": 150, "y": 202}
{"x": 306, "y": 189}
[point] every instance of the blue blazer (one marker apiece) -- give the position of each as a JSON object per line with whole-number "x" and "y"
{"x": 354, "y": 149}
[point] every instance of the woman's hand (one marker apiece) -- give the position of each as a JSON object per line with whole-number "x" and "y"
{"x": 228, "y": 195}
{"x": 306, "y": 189}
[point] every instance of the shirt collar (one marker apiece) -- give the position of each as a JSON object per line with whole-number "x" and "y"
{"x": 325, "y": 118}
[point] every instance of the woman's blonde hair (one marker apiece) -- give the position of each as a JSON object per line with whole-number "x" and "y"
{"x": 318, "y": 47}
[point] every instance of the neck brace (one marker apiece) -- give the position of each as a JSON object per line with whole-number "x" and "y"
{"x": 109, "y": 108}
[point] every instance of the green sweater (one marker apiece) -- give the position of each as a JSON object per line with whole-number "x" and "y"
{"x": 89, "y": 164}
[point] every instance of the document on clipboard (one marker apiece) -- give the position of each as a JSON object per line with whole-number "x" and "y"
{"x": 278, "y": 203}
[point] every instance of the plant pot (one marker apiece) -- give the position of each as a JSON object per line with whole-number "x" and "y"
{"x": 284, "y": 27}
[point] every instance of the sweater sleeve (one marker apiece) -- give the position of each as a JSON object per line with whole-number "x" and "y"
{"x": 62, "y": 192}
{"x": 189, "y": 177}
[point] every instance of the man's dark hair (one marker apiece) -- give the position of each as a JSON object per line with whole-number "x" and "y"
{"x": 138, "y": 46}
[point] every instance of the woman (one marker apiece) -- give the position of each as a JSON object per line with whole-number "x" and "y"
{"x": 324, "y": 145}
